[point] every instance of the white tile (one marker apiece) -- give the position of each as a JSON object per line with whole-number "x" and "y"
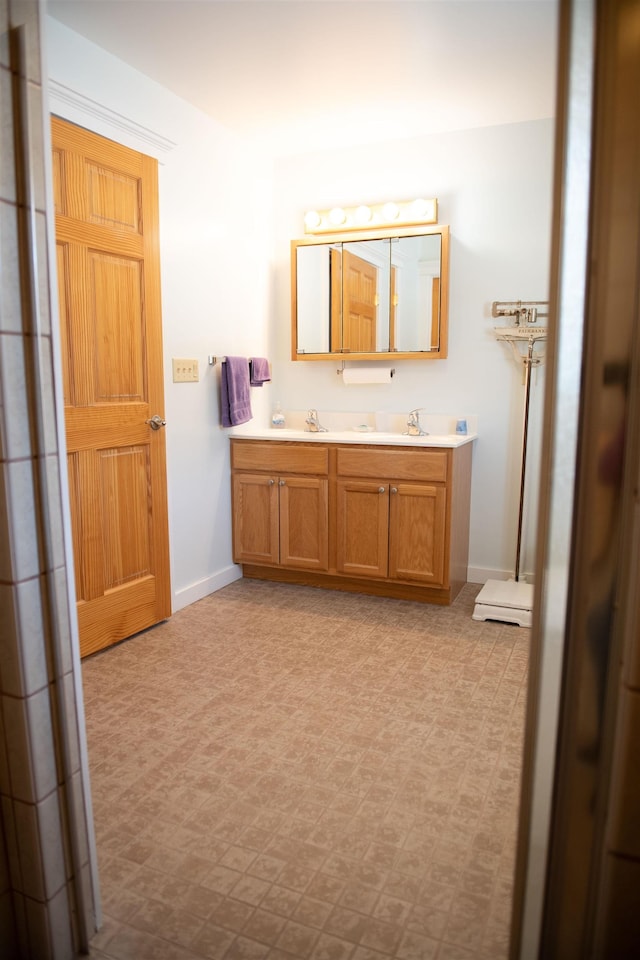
{"x": 51, "y": 845}
{"x": 60, "y": 925}
{"x": 63, "y": 636}
{"x": 30, "y": 749}
{"x": 88, "y": 901}
{"x": 53, "y": 512}
{"x": 49, "y": 441}
{"x": 25, "y": 12}
{"x": 44, "y": 291}
{"x": 32, "y": 652}
{"x": 43, "y": 758}
{"x": 37, "y": 193}
{"x": 14, "y": 411}
{"x": 14, "y": 714}
{"x": 10, "y": 309}
{"x": 10, "y": 675}
{"x": 28, "y": 836}
{"x": 23, "y": 666}
{"x": 7, "y": 163}
{"x": 72, "y": 722}
{"x": 79, "y": 825}
{"x": 37, "y": 919}
{"x": 4, "y": 33}
{"x": 23, "y": 531}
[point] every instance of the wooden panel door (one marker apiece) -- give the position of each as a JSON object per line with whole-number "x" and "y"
{"x": 256, "y": 528}
{"x": 304, "y": 523}
{"x": 417, "y": 525}
{"x": 363, "y": 527}
{"x": 109, "y": 296}
{"x": 359, "y": 304}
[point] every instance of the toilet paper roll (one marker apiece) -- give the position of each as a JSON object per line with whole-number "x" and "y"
{"x": 363, "y": 375}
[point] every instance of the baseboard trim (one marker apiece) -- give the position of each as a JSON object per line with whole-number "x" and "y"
{"x": 482, "y": 574}
{"x": 202, "y": 588}
{"x": 197, "y": 591}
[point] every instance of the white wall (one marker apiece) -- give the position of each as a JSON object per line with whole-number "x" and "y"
{"x": 226, "y": 274}
{"x": 214, "y": 223}
{"x": 494, "y": 189}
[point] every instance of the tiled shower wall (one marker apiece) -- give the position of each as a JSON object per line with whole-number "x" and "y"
{"x": 46, "y": 895}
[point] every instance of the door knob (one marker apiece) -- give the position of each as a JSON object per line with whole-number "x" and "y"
{"x": 394, "y": 489}
{"x": 380, "y": 489}
{"x": 156, "y": 422}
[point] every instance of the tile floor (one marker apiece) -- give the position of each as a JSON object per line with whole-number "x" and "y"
{"x": 283, "y": 772}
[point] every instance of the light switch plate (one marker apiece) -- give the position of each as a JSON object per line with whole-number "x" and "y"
{"x": 185, "y": 371}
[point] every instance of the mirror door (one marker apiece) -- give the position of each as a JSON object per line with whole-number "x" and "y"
{"x": 370, "y": 296}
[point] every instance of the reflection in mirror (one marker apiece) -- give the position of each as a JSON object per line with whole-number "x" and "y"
{"x": 370, "y": 296}
{"x": 415, "y": 293}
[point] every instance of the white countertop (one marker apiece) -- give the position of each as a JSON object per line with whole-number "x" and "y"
{"x": 247, "y": 432}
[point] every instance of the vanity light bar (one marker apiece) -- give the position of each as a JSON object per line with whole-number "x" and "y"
{"x": 392, "y": 213}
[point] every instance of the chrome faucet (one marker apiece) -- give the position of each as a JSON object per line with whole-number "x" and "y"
{"x": 413, "y": 425}
{"x": 313, "y": 424}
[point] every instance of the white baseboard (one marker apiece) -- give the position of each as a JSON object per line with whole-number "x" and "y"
{"x": 482, "y": 574}
{"x": 196, "y": 591}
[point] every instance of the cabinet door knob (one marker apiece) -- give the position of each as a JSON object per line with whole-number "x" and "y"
{"x": 394, "y": 489}
{"x": 282, "y": 482}
{"x": 271, "y": 482}
{"x": 381, "y": 489}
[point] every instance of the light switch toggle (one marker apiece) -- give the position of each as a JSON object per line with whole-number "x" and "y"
{"x": 185, "y": 371}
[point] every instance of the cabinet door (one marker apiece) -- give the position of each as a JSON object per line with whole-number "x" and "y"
{"x": 304, "y": 522}
{"x": 255, "y": 518}
{"x": 417, "y": 532}
{"x": 363, "y": 527}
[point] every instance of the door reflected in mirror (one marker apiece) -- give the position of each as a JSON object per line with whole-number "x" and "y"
{"x": 371, "y": 296}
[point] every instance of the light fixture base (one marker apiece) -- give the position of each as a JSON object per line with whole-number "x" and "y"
{"x": 390, "y": 213}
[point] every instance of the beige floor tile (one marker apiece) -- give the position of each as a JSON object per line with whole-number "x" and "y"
{"x": 324, "y": 776}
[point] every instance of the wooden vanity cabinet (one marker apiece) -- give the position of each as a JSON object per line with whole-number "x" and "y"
{"x": 394, "y": 525}
{"x": 280, "y": 516}
{"x": 391, "y": 529}
{"x": 387, "y": 520}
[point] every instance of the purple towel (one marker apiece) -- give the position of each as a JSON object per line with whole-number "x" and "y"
{"x": 260, "y": 371}
{"x": 234, "y": 391}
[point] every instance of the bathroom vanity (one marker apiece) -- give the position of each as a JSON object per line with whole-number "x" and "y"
{"x": 389, "y": 517}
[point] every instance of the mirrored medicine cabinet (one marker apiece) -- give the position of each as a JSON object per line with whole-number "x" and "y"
{"x": 371, "y": 295}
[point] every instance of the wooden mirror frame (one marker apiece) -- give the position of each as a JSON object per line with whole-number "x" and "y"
{"x": 352, "y": 236}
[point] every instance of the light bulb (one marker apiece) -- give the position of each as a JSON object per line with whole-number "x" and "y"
{"x": 390, "y": 211}
{"x": 337, "y": 216}
{"x": 312, "y": 219}
{"x": 362, "y": 214}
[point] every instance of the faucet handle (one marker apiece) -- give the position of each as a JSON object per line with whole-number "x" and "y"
{"x": 413, "y": 423}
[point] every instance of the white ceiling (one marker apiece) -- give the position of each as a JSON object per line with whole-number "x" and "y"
{"x": 298, "y": 75}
